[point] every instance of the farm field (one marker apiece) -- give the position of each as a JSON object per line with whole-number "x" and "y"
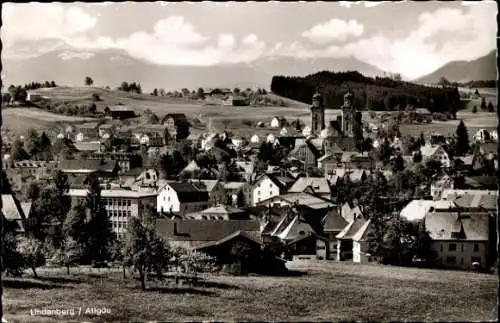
{"x": 240, "y": 120}
{"x": 319, "y": 291}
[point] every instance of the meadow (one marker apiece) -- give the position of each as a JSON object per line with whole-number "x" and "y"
{"x": 318, "y": 291}
{"x": 235, "y": 119}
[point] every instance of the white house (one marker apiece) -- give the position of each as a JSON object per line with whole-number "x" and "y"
{"x": 275, "y": 122}
{"x": 361, "y": 244}
{"x": 435, "y": 152}
{"x": 484, "y": 135}
{"x": 264, "y": 188}
{"x": 181, "y": 198}
{"x": 255, "y": 139}
{"x": 306, "y": 131}
{"x": 271, "y": 138}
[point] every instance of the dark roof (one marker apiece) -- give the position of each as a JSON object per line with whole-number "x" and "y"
{"x": 333, "y": 221}
{"x": 447, "y": 225}
{"x": 484, "y": 201}
{"x": 352, "y": 229}
{"x": 203, "y": 230}
{"x": 187, "y": 192}
{"x": 87, "y": 164}
{"x": 252, "y": 236}
{"x": 482, "y": 182}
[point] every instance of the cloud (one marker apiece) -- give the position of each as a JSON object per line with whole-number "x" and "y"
{"x": 367, "y": 4}
{"x": 35, "y": 21}
{"x": 441, "y": 36}
{"x": 334, "y": 29}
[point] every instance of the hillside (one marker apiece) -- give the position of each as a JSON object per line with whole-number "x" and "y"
{"x": 483, "y": 68}
{"x": 369, "y": 93}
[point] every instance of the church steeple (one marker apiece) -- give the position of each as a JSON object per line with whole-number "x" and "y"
{"x": 317, "y": 113}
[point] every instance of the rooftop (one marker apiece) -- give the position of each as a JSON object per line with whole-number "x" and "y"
{"x": 444, "y": 226}
{"x": 112, "y": 193}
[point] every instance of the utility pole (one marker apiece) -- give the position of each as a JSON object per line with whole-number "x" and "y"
{"x": 1, "y": 222}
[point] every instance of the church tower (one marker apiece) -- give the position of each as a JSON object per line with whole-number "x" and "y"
{"x": 317, "y": 114}
{"x": 351, "y": 118}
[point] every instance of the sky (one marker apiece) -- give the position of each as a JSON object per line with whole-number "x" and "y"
{"x": 411, "y": 38}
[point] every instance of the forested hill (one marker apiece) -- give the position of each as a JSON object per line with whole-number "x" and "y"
{"x": 369, "y": 93}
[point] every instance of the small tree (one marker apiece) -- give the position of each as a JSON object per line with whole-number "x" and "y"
{"x": 32, "y": 253}
{"x": 155, "y": 92}
{"x": 12, "y": 259}
{"x": 89, "y": 81}
{"x": 70, "y": 253}
{"x": 474, "y": 109}
{"x": 144, "y": 251}
{"x": 483, "y": 104}
{"x": 491, "y": 108}
{"x": 96, "y": 97}
{"x": 462, "y": 143}
{"x": 240, "y": 199}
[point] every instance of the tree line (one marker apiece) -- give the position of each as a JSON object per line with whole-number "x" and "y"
{"x": 369, "y": 93}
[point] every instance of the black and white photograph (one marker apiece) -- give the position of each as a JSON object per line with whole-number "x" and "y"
{"x": 249, "y": 161}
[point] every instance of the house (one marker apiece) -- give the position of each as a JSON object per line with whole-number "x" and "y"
{"x": 177, "y": 125}
{"x": 265, "y": 187}
{"x": 126, "y": 160}
{"x": 306, "y": 246}
{"x": 458, "y": 239}
{"x": 255, "y": 139}
{"x": 219, "y": 212}
{"x": 483, "y": 135}
{"x": 120, "y": 204}
{"x": 277, "y": 122}
{"x": 316, "y": 185}
{"x": 181, "y": 198}
{"x": 239, "y": 100}
{"x": 345, "y": 243}
{"x": 101, "y": 168}
{"x": 333, "y": 224}
{"x": 236, "y": 189}
{"x": 89, "y": 130}
{"x": 435, "y": 152}
{"x": 362, "y": 243}
{"x": 33, "y": 97}
{"x": 416, "y": 210}
{"x": 214, "y": 188}
{"x": 437, "y": 187}
{"x": 191, "y": 233}
{"x": 120, "y": 112}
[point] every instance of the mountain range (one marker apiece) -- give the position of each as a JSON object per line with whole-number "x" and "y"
{"x": 68, "y": 66}
{"x": 482, "y": 68}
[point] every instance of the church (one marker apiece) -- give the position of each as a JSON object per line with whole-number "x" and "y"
{"x": 336, "y": 135}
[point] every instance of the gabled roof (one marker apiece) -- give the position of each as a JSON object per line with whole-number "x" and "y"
{"x": 11, "y": 208}
{"x": 294, "y": 229}
{"x": 187, "y": 192}
{"x": 487, "y": 202}
{"x": 88, "y": 146}
{"x": 446, "y": 226}
{"x": 202, "y": 230}
{"x": 205, "y": 185}
{"x": 333, "y": 221}
{"x": 416, "y": 210}
{"x": 351, "y": 229}
{"x": 318, "y": 184}
{"x": 364, "y": 232}
{"x": 88, "y": 125}
{"x": 429, "y": 150}
{"x": 252, "y": 236}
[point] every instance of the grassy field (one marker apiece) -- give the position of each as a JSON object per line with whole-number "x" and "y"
{"x": 318, "y": 292}
{"x": 228, "y": 117}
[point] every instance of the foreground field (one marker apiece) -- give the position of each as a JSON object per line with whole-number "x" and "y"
{"x": 322, "y": 292}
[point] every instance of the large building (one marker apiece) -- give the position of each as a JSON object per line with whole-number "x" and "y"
{"x": 120, "y": 205}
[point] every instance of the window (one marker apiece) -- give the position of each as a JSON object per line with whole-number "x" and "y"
{"x": 129, "y": 203}
{"x": 451, "y": 260}
{"x": 476, "y": 247}
{"x": 258, "y": 192}
{"x": 164, "y": 198}
{"x": 129, "y": 213}
{"x": 462, "y": 247}
{"x": 320, "y": 247}
{"x": 452, "y": 247}
{"x": 271, "y": 185}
